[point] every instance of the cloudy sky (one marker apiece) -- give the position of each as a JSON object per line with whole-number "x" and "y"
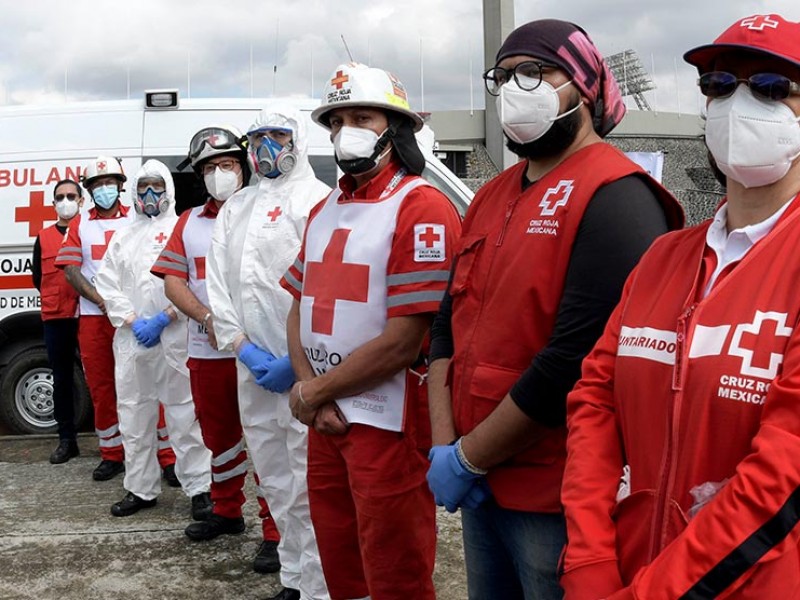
{"x": 103, "y": 49}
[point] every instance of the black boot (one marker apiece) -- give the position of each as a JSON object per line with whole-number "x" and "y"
{"x": 65, "y": 450}
{"x": 267, "y": 559}
{"x": 201, "y": 506}
{"x": 214, "y": 526}
{"x": 170, "y": 477}
{"x": 107, "y": 469}
{"x": 131, "y": 504}
{"x": 286, "y": 594}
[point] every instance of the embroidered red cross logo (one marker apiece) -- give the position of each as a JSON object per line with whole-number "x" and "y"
{"x": 99, "y": 250}
{"x": 759, "y": 22}
{"x": 200, "y": 266}
{"x": 429, "y": 237}
{"x": 101, "y": 166}
{"x": 757, "y": 343}
{"x": 212, "y": 140}
{"x": 332, "y": 280}
{"x": 160, "y": 237}
{"x": 35, "y": 214}
{"x": 274, "y": 214}
{"x": 340, "y": 80}
{"x": 555, "y": 197}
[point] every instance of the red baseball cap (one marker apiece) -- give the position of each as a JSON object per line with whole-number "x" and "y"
{"x": 771, "y": 35}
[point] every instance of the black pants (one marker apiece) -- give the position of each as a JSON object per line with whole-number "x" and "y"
{"x": 61, "y": 339}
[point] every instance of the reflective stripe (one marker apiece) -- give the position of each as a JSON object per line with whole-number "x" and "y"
{"x": 70, "y": 250}
{"x": 290, "y": 279}
{"x": 239, "y": 469}
{"x": 228, "y": 455}
{"x": 413, "y": 298}
{"x": 163, "y": 433}
{"x": 104, "y": 433}
{"x": 112, "y": 443}
{"x": 175, "y": 257}
{"x": 299, "y": 266}
{"x": 417, "y": 277}
{"x": 163, "y": 444}
{"x": 172, "y": 266}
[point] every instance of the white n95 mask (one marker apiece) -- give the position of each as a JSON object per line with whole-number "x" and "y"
{"x": 222, "y": 184}
{"x": 753, "y": 141}
{"x": 66, "y": 208}
{"x": 526, "y": 115}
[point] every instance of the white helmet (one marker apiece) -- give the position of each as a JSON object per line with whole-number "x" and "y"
{"x": 354, "y": 84}
{"x": 102, "y": 166}
{"x": 213, "y": 141}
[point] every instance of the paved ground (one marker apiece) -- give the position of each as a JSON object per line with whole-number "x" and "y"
{"x": 58, "y": 539}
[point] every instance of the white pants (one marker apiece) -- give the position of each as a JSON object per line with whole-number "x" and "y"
{"x": 143, "y": 378}
{"x": 278, "y": 445}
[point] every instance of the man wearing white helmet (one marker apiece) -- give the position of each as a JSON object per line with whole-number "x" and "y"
{"x": 257, "y": 235}
{"x": 367, "y": 282}
{"x": 218, "y": 155}
{"x": 150, "y": 352}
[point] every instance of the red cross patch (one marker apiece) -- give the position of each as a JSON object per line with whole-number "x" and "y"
{"x": 274, "y": 214}
{"x": 556, "y": 197}
{"x": 758, "y": 345}
{"x": 339, "y": 80}
{"x": 759, "y": 23}
{"x": 35, "y": 214}
{"x": 429, "y": 242}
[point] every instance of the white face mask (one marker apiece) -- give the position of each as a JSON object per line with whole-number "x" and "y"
{"x": 222, "y": 184}
{"x": 354, "y": 142}
{"x": 66, "y": 209}
{"x": 527, "y": 115}
{"x": 753, "y": 141}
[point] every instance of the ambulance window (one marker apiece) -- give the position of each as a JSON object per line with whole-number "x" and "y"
{"x": 324, "y": 168}
{"x": 447, "y": 189}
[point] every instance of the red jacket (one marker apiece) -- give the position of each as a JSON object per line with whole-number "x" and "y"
{"x": 502, "y": 319}
{"x": 689, "y": 390}
{"x": 59, "y": 298}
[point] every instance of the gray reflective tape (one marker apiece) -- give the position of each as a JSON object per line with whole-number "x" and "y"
{"x": 228, "y": 455}
{"x": 171, "y": 265}
{"x": 225, "y": 475}
{"x": 70, "y": 250}
{"x": 299, "y": 265}
{"x": 175, "y": 257}
{"x": 163, "y": 444}
{"x": 104, "y": 433}
{"x": 293, "y": 282}
{"x": 417, "y": 277}
{"x": 163, "y": 432}
{"x": 112, "y": 443}
{"x": 413, "y": 298}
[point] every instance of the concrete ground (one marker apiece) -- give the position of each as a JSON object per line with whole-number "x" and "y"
{"x": 58, "y": 539}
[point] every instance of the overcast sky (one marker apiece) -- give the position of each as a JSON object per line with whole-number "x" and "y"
{"x": 97, "y": 49}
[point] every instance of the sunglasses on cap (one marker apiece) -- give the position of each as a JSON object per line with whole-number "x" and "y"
{"x": 769, "y": 86}
{"x": 215, "y": 137}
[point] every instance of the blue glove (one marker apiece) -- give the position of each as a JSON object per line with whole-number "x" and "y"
{"x": 279, "y": 377}
{"x": 448, "y": 479}
{"x": 256, "y": 359}
{"x": 477, "y": 495}
{"x": 148, "y": 331}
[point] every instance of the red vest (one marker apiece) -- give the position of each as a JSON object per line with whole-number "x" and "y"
{"x": 59, "y": 298}
{"x": 506, "y": 289}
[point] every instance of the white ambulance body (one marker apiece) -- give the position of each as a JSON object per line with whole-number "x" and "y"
{"x": 42, "y": 145}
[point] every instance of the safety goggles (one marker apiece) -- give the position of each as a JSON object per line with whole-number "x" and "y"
{"x": 214, "y": 137}
{"x": 152, "y": 193}
{"x": 257, "y": 134}
{"x": 769, "y": 86}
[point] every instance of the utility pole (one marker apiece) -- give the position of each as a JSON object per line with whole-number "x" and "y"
{"x": 498, "y": 23}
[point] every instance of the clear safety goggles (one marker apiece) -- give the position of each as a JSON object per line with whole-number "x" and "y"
{"x": 150, "y": 194}
{"x": 256, "y": 135}
{"x": 214, "y": 137}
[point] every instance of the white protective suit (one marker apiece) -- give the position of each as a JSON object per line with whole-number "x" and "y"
{"x": 249, "y": 253}
{"x": 145, "y": 376}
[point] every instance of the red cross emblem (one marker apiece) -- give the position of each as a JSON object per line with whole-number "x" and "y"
{"x": 99, "y": 250}
{"x": 101, "y": 166}
{"x": 35, "y": 214}
{"x": 556, "y": 197}
{"x": 212, "y": 139}
{"x": 160, "y": 237}
{"x": 274, "y": 214}
{"x": 332, "y": 280}
{"x": 759, "y": 23}
{"x": 340, "y": 80}
{"x": 200, "y": 266}
{"x": 429, "y": 237}
{"x": 757, "y": 343}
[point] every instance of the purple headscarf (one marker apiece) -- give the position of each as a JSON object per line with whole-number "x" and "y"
{"x": 568, "y": 46}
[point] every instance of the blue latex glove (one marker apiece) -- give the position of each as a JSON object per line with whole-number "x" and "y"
{"x": 255, "y": 359}
{"x": 477, "y": 495}
{"x": 148, "y": 331}
{"x": 279, "y": 377}
{"x": 448, "y": 479}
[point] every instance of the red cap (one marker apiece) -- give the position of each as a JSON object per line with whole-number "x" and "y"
{"x": 771, "y": 35}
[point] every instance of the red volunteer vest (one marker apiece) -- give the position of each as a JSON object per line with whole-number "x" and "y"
{"x": 59, "y": 298}
{"x": 506, "y": 289}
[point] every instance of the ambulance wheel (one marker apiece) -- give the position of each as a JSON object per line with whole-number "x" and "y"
{"x": 26, "y": 394}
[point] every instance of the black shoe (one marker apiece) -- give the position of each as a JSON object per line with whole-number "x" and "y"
{"x": 214, "y": 526}
{"x": 130, "y": 504}
{"x": 267, "y": 559}
{"x": 286, "y": 594}
{"x": 107, "y": 469}
{"x": 201, "y": 506}
{"x": 170, "y": 477}
{"x": 65, "y": 450}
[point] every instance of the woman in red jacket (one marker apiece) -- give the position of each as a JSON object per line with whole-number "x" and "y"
{"x": 682, "y": 476}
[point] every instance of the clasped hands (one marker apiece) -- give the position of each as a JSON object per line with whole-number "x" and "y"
{"x": 271, "y": 373}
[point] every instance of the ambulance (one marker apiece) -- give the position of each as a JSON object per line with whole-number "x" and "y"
{"x": 40, "y": 145}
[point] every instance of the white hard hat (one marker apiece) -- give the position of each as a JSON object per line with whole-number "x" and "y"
{"x": 102, "y": 166}
{"x": 213, "y": 141}
{"x": 354, "y": 84}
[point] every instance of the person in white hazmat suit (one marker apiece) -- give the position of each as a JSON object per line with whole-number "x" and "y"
{"x": 256, "y": 237}
{"x": 150, "y": 352}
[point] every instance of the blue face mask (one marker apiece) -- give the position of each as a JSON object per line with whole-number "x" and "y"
{"x": 105, "y": 195}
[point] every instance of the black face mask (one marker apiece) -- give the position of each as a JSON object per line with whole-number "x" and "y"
{"x": 357, "y": 166}
{"x": 557, "y": 139}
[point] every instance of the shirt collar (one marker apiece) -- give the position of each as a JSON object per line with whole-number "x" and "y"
{"x": 122, "y": 211}
{"x": 370, "y": 191}
{"x": 210, "y": 210}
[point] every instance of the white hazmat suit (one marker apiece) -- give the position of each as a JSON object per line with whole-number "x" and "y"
{"x": 256, "y": 238}
{"x": 145, "y": 376}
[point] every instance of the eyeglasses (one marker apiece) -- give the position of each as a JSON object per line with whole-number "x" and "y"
{"x": 226, "y": 165}
{"x": 215, "y": 137}
{"x": 72, "y": 196}
{"x": 770, "y": 86}
{"x": 528, "y": 76}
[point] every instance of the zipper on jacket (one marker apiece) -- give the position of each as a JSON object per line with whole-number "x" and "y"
{"x": 509, "y": 212}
